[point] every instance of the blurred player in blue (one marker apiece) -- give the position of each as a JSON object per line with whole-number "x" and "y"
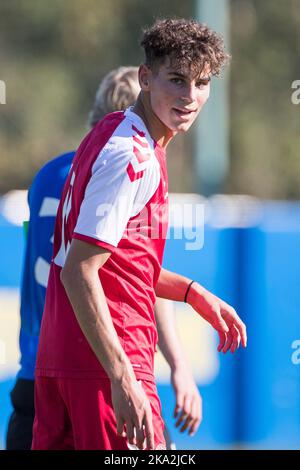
{"x": 118, "y": 90}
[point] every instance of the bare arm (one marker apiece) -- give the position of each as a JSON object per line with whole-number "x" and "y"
{"x": 83, "y": 287}
{"x": 168, "y": 339}
{"x": 188, "y": 399}
{"x": 218, "y": 313}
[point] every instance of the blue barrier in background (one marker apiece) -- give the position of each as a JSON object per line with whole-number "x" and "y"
{"x": 255, "y": 398}
{"x": 214, "y": 267}
{"x": 11, "y": 254}
{"x": 5, "y": 407}
{"x": 270, "y": 304}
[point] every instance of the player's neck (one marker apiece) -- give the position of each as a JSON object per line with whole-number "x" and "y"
{"x": 158, "y": 131}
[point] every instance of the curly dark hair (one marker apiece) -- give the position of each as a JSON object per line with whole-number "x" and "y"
{"x": 187, "y": 43}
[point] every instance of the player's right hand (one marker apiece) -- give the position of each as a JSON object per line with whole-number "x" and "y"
{"x": 133, "y": 412}
{"x": 188, "y": 408}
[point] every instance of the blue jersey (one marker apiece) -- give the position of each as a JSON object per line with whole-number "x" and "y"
{"x": 43, "y": 200}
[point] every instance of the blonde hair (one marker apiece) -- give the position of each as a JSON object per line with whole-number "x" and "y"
{"x": 117, "y": 90}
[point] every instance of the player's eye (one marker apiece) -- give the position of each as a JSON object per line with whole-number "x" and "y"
{"x": 177, "y": 81}
{"x": 202, "y": 83}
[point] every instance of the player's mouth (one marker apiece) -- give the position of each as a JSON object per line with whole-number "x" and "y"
{"x": 184, "y": 114}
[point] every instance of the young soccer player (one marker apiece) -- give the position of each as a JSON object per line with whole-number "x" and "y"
{"x": 118, "y": 89}
{"x": 94, "y": 385}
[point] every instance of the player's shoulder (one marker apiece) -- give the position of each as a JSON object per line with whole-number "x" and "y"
{"x": 129, "y": 144}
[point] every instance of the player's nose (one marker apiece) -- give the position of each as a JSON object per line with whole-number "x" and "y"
{"x": 189, "y": 93}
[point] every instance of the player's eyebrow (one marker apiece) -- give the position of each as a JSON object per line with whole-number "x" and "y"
{"x": 177, "y": 74}
{"x": 205, "y": 79}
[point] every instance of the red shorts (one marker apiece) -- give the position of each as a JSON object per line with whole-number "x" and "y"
{"x": 78, "y": 414}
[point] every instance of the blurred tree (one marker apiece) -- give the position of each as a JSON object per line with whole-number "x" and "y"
{"x": 53, "y": 55}
{"x": 265, "y": 133}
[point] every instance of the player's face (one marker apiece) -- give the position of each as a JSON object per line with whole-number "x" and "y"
{"x": 176, "y": 98}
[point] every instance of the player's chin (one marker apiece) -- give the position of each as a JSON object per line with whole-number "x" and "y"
{"x": 183, "y": 126}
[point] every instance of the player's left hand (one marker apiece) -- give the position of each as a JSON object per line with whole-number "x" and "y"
{"x": 188, "y": 408}
{"x": 223, "y": 317}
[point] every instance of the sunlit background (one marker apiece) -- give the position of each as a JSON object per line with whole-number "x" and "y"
{"x": 241, "y": 163}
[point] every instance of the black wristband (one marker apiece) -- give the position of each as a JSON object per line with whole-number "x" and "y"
{"x": 187, "y": 291}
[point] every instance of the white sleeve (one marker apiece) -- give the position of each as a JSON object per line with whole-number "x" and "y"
{"x": 118, "y": 189}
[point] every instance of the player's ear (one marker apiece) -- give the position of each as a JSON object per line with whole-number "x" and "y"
{"x": 144, "y": 77}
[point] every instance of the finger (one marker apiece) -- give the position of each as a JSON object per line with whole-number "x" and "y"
{"x": 222, "y": 337}
{"x": 228, "y": 342}
{"x": 194, "y": 427}
{"x": 149, "y": 429}
{"x": 196, "y": 415}
{"x": 180, "y": 419}
{"x": 243, "y": 332}
{"x": 235, "y": 344}
{"x": 187, "y": 423}
{"x": 130, "y": 433}
{"x": 197, "y": 409}
{"x": 120, "y": 427}
{"x": 236, "y": 340}
{"x": 140, "y": 436}
{"x": 235, "y": 334}
{"x": 187, "y": 405}
{"x": 186, "y": 409}
{"x": 179, "y": 403}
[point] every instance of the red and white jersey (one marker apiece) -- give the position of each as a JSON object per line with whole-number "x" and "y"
{"x": 115, "y": 196}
